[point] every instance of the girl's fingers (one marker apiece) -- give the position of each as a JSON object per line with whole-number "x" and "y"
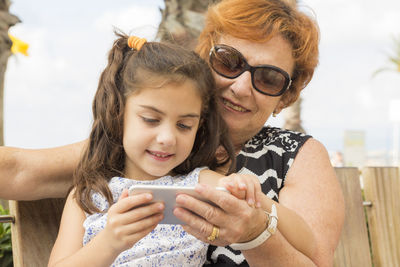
{"x": 250, "y": 194}
{"x": 234, "y": 185}
{"x": 139, "y": 213}
{"x": 126, "y": 236}
{"x": 259, "y": 196}
{"x": 253, "y": 187}
{"x": 134, "y": 215}
{"x": 143, "y": 225}
{"x": 124, "y": 194}
{"x": 240, "y": 194}
{"x": 127, "y": 203}
{"x": 228, "y": 183}
{"x": 226, "y": 201}
{"x": 257, "y": 191}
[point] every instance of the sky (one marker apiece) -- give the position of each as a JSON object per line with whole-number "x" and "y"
{"x": 48, "y": 94}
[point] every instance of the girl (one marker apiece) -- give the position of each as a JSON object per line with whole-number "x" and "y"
{"x": 155, "y": 122}
{"x": 155, "y": 119}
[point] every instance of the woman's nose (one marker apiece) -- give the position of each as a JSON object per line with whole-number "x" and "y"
{"x": 242, "y": 86}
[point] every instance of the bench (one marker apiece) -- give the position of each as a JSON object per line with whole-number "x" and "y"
{"x": 370, "y": 236}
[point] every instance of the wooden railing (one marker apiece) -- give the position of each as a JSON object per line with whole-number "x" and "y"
{"x": 371, "y": 233}
{"x": 370, "y": 236}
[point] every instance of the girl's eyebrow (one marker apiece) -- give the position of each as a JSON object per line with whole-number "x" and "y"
{"x": 190, "y": 115}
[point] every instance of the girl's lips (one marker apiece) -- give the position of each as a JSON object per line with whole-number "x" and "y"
{"x": 232, "y": 106}
{"x": 160, "y": 156}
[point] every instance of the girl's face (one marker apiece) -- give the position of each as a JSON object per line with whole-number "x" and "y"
{"x": 160, "y": 126}
{"x": 243, "y": 108}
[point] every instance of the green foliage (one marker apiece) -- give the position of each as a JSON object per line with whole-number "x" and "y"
{"x": 6, "y": 259}
{"x": 393, "y": 58}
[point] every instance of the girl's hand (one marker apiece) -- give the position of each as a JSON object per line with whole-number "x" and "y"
{"x": 130, "y": 219}
{"x": 243, "y": 186}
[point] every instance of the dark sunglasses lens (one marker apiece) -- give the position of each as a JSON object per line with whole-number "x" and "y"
{"x": 268, "y": 80}
{"x": 227, "y": 62}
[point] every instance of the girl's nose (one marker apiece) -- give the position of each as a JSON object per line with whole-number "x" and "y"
{"x": 167, "y": 136}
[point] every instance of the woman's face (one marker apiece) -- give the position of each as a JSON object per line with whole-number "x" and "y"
{"x": 243, "y": 108}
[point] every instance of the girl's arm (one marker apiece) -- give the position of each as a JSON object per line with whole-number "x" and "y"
{"x": 244, "y": 186}
{"x": 28, "y": 174}
{"x": 126, "y": 224}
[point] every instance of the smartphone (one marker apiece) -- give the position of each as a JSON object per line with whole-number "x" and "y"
{"x": 167, "y": 194}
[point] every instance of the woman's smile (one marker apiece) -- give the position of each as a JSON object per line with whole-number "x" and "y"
{"x": 233, "y": 106}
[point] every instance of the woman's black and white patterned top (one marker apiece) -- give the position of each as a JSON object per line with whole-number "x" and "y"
{"x": 268, "y": 155}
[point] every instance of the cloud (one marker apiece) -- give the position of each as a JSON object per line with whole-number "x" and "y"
{"x": 357, "y": 20}
{"x": 356, "y": 37}
{"x": 139, "y": 20}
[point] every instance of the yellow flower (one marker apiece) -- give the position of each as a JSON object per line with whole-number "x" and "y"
{"x": 18, "y": 46}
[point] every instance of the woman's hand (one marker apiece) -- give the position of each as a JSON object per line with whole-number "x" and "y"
{"x": 237, "y": 221}
{"x": 130, "y": 219}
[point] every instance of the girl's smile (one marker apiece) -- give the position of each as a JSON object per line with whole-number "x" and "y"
{"x": 161, "y": 156}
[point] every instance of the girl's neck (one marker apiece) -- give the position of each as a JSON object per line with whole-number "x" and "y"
{"x": 140, "y": 176}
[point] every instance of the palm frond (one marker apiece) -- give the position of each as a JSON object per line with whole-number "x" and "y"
{"x": 381, "y": 70}
{"x": 393, "y": 58}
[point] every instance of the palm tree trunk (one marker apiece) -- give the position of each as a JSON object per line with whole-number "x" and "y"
{"x": 292, "y": 114}
{"x": 182, "y": 21}
{"x": 6, "y": 21}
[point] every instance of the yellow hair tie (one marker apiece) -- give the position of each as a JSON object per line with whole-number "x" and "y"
{"x": 135, "y": 42}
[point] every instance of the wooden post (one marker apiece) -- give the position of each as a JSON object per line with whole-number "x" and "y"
{"x": 353, "y": 248}
{"x": 382, "y": 188}
{"x": 35, "y": 230}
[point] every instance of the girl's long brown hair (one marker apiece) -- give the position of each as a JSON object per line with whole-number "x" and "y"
{"x": 129, "y": 71}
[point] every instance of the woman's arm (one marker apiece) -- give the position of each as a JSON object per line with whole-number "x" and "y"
{"x": 28, "y": 174}
{"x": 311, "y": 190}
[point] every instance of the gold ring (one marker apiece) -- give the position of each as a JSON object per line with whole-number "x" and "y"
{"x": 214, "y": 235}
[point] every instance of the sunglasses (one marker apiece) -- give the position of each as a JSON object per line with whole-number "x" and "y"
{"x": 266, "y": 79}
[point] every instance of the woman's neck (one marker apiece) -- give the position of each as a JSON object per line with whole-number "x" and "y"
{"x": 239, "y": 140}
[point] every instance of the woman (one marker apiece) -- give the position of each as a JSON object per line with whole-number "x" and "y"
{"x": 283, "y": 44}
{"x": 292, "y": 168}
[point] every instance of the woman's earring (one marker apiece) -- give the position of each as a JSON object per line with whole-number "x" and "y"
{"x": 274, "y": 114}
